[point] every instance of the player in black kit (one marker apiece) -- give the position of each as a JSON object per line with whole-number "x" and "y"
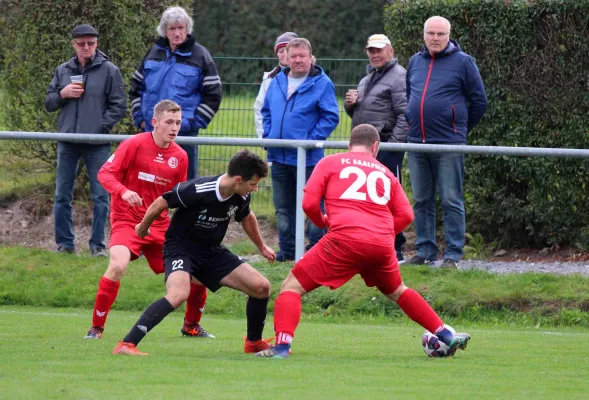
{"x": 193, "y": 250}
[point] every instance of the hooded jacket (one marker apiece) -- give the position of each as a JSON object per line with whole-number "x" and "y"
{"x": 311, "y": 113}
{"x": 103, "y": 103}
{"x": 382, "y": 102}
{"x": 446, "y": 96}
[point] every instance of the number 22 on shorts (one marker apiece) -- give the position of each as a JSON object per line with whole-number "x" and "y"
{"x": 177, "y": 264}
{"x": 352, "y": 192}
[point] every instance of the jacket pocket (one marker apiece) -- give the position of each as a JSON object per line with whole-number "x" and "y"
{"x": 184, "y": 79}
{"x": 152, "y": 77}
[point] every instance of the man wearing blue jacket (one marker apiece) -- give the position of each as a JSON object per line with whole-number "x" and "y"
{"x": 300, "y": 104}
{"x": 177, "y": 68}
{"x": 446, "y": 99}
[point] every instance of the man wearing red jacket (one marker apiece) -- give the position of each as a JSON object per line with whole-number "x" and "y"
{"x": 365, "y": 206}
{"x": 140, "y": 170}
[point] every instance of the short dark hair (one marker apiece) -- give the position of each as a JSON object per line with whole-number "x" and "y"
{"x": 246, "y": 164}
{"x": 365, "y": 135}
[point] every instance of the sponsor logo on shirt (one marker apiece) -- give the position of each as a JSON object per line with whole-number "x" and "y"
{"x": 231, "y": 211}
{"x": 159, "y": 158}
{"x": 146, "y": 177}
{"x": 172, "y": 162}
{"x": 158, "y": 180}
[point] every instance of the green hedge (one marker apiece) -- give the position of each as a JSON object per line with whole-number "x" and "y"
{"x": 533, "y": 59}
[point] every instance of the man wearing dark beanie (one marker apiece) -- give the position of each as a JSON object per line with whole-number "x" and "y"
{"x": 280, "y": 52}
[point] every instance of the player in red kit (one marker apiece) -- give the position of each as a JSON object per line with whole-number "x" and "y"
{"x": 365, "y": 206}
{"x": 140, "y": 170}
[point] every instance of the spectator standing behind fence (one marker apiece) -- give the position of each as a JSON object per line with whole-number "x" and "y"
{"x": 90, "y": 94}
{"x": 180, "y": 69}
{"x": 381, "y": 102}
{"x": 280, "y": 52}
{"x": 300, "y": 104}
{"x": 446, "y": 99}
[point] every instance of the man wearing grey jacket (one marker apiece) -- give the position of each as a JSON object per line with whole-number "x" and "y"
{"x": 381, "y": 101}
{"x": 90, "y": 94}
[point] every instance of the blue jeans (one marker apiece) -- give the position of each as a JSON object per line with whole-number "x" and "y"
{"x": 393, "y": 160}
{"x": 68, "y": 156}
{"x": 192, "y": 152}
{"x": 446, "y": 171}
{"x": 284, "y": 194}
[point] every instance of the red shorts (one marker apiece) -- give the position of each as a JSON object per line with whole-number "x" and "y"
{"x": 123, "y": 234}
{"x": 334, "y": 261}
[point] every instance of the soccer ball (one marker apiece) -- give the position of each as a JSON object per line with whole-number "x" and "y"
{"x": 433, "y": 347}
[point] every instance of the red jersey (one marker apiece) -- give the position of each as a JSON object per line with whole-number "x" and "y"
{"x": 143, "y": 167}
{"x": 363, "y": 199}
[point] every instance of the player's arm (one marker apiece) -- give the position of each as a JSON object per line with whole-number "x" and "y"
{"x": 313, "y": 193}
{"x": 400, "y": 207}
{"x": 153, "y": 212}
{"x": 115, "y": 166}
{"x": 251, "y": 228}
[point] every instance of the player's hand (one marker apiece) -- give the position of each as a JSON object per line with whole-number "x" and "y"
{"x": 141, "y": 231}
{"x": 71, "y": 91}
{"x": 132, "y": 198}
{"x": 268, "y": 253}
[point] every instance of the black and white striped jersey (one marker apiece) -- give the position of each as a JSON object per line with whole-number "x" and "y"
{"x": 202, "y": 216}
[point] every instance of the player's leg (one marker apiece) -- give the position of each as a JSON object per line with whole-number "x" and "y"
{"x": 108, "y": 288}
{"x": 418, "y": 309}
{"x": 195, "y": 307}
{"x": 287, "y": 315}
{"x": 197, "y": 298}
{"x": 177, "y": 291}
{"x": 248, "y": 280}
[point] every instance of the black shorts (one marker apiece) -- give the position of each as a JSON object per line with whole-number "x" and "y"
{"x": 208, "y": 264}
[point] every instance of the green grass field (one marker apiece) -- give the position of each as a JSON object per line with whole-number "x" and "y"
{"x": 44, "y": 356}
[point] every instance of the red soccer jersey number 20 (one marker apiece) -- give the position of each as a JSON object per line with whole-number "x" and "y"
{"x": 363, "y": 199}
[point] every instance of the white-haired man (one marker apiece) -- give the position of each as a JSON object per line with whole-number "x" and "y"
{"x": 179, "y": 69}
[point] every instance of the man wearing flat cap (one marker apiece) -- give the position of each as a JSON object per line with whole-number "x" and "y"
{"x": 89, "y": 92}
{"x": 380, "y": 101}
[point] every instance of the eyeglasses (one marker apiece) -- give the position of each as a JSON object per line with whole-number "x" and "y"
{"x": 438, "y": 34}
{"x": 90, "y": 43}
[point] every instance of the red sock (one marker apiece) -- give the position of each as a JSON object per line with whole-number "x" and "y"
{"x": 105, "y": 297}
{"x": 287, "y": 315}
{"x": 195, "y": 304}
{"x": 419, "y": 310}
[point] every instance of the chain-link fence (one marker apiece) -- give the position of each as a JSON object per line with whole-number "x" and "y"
{"x": 241, "y": 77}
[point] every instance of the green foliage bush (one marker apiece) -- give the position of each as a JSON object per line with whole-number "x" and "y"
{"x": 533, "y": 59}
{"x": 336, "y": 28}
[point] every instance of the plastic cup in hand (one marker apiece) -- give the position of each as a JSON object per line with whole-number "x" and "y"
{"x": 78, "y": 80}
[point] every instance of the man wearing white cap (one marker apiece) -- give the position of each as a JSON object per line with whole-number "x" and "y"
{"x": 381, "y": 101}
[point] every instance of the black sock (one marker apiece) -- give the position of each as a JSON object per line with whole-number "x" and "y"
{"x": 153, "y": 315}
{"x": 255, "y": 311}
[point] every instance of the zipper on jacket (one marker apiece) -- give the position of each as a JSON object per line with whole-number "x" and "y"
{"x": 294, "y": 97}
{"x": 281, "y": 126}
{"x": 429, "y": 73}
{"x": 454, "y": 119}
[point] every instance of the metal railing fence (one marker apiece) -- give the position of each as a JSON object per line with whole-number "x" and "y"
{"x": 301, "y": 146}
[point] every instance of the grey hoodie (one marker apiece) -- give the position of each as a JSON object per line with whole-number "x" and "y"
{"x": 103, "y": 103}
